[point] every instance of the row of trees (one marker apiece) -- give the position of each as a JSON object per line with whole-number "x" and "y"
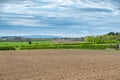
{"x": 111, "y": 37}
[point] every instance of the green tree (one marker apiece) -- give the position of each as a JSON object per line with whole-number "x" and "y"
{"x": 89, "y": 39}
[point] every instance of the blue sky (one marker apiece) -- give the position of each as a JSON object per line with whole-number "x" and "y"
{"x": 66, "y": 18}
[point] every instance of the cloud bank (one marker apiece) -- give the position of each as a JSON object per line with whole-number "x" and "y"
{"x": 71, "y": 17}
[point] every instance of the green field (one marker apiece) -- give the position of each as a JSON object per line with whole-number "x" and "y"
{"x": 50, "y": 45}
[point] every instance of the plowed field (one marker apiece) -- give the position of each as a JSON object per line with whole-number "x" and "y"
{"x": 60, "y": 65}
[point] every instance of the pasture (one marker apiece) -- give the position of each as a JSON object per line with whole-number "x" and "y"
{"x": 60, "y": 65}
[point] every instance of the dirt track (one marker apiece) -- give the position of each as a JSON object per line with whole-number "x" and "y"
{"x": 60, "y": 65}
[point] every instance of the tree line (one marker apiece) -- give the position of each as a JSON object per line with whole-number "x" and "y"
{"x": 111, "y": 37}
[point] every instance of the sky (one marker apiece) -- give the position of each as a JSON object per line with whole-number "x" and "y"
{"x": 66, "y": 18}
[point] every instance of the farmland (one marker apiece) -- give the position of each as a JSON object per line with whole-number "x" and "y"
{"x": 60, "y": 65}
{"x": 110, "y": 40}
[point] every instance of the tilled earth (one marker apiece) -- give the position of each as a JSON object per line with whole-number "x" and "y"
{"x": 60, "y": 65}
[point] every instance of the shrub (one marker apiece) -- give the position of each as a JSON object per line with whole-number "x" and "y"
{"x": 30, "y": 42}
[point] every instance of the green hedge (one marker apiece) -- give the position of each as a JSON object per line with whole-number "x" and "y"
{"x": 58, "y": 46}
{"x": 7, "y": 48}
{"x": 94, "y": 46}
{"x": 62, "y": 46}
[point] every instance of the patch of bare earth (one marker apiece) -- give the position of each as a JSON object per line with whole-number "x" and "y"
{"x": 59, "y": 65}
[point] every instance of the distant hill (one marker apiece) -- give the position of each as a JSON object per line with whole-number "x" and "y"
{"x": 31, "y": 36}
{"x": 41, "y": 36}
{"x": 38, "y": 38}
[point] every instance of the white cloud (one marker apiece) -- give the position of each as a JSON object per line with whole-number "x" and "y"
{"x": 24, "y": 22}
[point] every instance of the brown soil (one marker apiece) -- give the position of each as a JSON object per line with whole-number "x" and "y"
{"x": 59, "y": 65}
